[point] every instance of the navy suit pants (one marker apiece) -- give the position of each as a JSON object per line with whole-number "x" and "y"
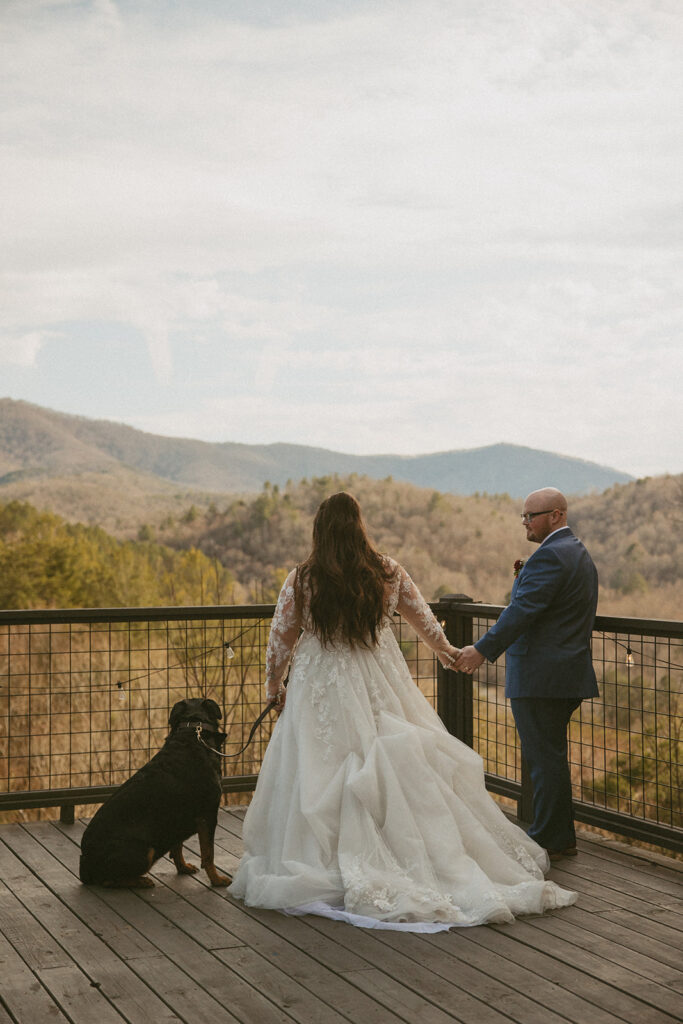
{"x": 542, "y": 726}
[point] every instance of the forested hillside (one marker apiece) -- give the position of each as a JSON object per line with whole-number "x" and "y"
{"x": 241, "y": 550}
{"x": 448, "y": 544}
{"x": 635, "y": 534}
{"x": 455, "y": 545}
{"x": 48, "y": 563}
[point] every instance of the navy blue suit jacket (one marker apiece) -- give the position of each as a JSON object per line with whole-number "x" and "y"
{"x": 546, "y": 629}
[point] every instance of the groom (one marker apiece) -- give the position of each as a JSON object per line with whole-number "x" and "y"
{"x": 546, "y": 630}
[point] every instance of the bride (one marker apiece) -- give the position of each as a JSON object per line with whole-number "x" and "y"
{"x": 366, "y": 808}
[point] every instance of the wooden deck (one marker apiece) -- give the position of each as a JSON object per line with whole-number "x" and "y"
{"x": 185, "y": 952}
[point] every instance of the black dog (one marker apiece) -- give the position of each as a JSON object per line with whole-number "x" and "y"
{"x": 176, "y": 794}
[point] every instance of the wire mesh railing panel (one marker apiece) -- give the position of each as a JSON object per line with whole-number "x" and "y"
{"x": 84, "y": 702}
{"x": 626, "y": 748}
{"x": 420, "y": 660}
{"x": 87, "y": 703}
{"x": 495, "y": 736}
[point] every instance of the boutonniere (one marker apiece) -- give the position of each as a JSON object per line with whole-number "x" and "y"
{"x": 518, "y": 566}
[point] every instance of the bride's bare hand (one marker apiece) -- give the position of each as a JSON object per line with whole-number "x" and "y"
{"x": 280, "y": 699}
{"x": 450, "y": 657}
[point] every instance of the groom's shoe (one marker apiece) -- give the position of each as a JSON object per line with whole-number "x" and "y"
{"x": 570, "y": 851}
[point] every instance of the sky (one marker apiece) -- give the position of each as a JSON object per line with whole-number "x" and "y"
{"x": 377, "y": 227}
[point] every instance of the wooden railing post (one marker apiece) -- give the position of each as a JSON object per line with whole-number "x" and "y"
{"x": 455, "y": 704}
{"x": 66, "y": 813}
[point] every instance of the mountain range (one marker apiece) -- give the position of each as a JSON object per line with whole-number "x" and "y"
{"x": 39, "y": 445}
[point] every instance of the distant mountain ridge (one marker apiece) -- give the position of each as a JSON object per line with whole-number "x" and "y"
{"x": 38, "y": 443}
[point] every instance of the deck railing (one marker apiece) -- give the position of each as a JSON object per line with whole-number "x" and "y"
{"x": 85, "y": 696}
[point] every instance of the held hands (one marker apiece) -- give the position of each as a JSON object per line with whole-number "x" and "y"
{"x": 449, "y": 658}
{"x": 469, "y": 660}
{"x": 466, "y": 660}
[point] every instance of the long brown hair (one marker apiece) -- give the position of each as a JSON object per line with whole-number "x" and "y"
{"x": 345, "y": 574}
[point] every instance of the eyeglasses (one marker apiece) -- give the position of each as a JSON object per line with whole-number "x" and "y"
{"x": 526, "y": 517}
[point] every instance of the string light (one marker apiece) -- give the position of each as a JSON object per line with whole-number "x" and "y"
{"x": 226, "y": 646}
{"x": 630, "y": 656}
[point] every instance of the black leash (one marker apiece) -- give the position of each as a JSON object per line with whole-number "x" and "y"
{"x": 199, "y": 729}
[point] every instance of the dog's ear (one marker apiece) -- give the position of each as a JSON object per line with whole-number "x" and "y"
{"x": 178, "y": 712}
{"x": 213, "y": 709}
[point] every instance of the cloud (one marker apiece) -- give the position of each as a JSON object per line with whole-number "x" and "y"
{"x": 22, "y": 350}
{"x": 419, "y": 204}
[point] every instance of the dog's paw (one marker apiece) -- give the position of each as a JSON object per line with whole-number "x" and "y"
{"x": 217, "y": 879}
{"x": 142, "y": 882}
{"x": 187, "y": 869}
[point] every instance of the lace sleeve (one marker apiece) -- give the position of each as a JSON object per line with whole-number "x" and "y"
{"x": 415, "y": 610}
{"x": 284, "y": 631}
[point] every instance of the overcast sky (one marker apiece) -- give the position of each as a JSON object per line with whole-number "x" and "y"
{"x": 403, "y": 226}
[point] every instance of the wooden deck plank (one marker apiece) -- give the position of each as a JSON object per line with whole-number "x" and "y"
{"x": 642, "y": 953}
{"x": 596, "y": 965}
{"x": 330, "y": 956}
{"x": 212, "y": 905}
{"x": 322, "y": 968}
{"x": 185, "y": 953}
{"x": 469, "y": 995}
{"x": 405, "y": 1003}
{"x": 566, "y": 974}
{"x": 618, "y": 851}
{"x": 289, "y": 945}
{"x": 546, "y": 994}
{"x": 101, "y": 958}
{"x": 611, "y": 897}
{"x": 22, "y": 993}
{"x": 630, "y": 882}
{"x": 303, "y": 1005}
{"x": 34, "y": 944}
{"x": 652, "y": 926}
{"x": 82, "y": 1000}
{"x": 204, "y": 931}
{"x": 644, "y": 862}
{"x": 580, "y": 879}
{"x": 107, "y": 970}
{"x": 187, "y": 997}
{"x": 175, "y": 929}
{"x": 4, "y": 1015}
{"x": 59, "y": 901}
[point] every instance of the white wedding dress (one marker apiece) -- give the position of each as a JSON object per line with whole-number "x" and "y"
{"x": 366, "y": 808}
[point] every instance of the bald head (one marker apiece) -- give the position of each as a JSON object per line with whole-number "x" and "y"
{"x": 546, "y": 497}
{"x": 547, "y": 509}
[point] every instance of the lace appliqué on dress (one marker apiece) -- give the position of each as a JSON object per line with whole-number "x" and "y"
{"x": 404, "y": 900}
{"x": 405, "y": 598}
{"x": 360, "y": 894}
{"x": 325, "y": 718}
{"x": 284, "y": 631}
{"x": 516, "y": 851}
